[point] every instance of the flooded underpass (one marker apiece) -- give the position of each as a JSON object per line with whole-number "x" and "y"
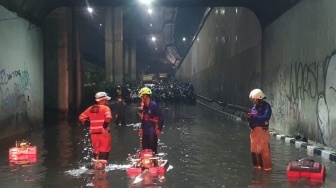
{"x": 204, "y": 149}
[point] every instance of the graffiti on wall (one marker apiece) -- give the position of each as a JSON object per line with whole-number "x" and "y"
{"x": 305, "y": 83}
{"x": 326, "y": 103}
{"x": 304, "y": 79}
{"x": 282, "y": 104}
{"x": 14, "y": 90}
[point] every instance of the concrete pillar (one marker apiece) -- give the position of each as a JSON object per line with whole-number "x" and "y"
{"x": 63, "y": 88}
{"x": 71, "y": 65}
{"x": 126, "y": 59}
{"x": 57, "y": 58}
{"x": 128, "y": 42}
{"x": 114, "y": 45}
{"x": 108, "y": 45}
{"x": 133, "y": 60}
{"x": 77, "y": 61}
{"x": 63, "y": 77}
{"x": 118, "y": 44}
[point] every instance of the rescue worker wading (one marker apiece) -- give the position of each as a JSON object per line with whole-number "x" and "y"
{"x": 151, "y": 121}
{"x": 98, "y": 117}
{"x": 120, "y": 113}
{"x": 259, "y": 122}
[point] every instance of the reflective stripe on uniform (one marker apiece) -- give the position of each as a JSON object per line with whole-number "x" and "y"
{"x": 108, "y": 114}
{"x": 97, "y": 121}
{"x": 83, "y": 115}
{"x": 98, "y": 127}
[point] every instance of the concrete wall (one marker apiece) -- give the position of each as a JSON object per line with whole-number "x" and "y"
{"x": 297, "y": 70}
{"x": 224, "y": 61}
{"x": 21, "y": 74}
{"x": 298, "y": 74}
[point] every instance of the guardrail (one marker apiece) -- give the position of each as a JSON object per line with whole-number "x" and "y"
{"x": 229, "y": 110}
{"x": 243, "y": 109}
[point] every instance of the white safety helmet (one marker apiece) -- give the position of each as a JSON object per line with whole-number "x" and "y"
{"x": 257, "y": 94}
{"x": 101, "y": 96}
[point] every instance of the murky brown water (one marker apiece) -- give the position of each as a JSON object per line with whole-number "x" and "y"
{"x": 204, "y": 150}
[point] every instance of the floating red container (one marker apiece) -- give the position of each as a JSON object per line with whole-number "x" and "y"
{"x": 28, "y": 150}
{"x": 21, "y": 159}
{"x": 306, "y": 168}
{"x": 22, "y": 153}
{"x": 146, "y": 160}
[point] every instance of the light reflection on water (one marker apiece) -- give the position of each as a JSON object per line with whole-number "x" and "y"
{"x": 204, "y": 150}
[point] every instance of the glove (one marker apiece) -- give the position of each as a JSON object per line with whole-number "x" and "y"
{"x": 106, "y": 131}
{"x": 140, "y": 132}
{"x": 105, "y": 125}
{"x": 87, "y": 123}
{"x": 247, "y": 115}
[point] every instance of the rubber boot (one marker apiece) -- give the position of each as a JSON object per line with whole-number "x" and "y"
{"x": 256, "y": 160}
{"x": 94, "y": 155}
{"x": 104, "y": 155}
{"x": 266, "y": 159}
{"x": 260, "y": 160}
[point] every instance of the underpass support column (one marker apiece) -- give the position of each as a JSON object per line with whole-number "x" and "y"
{"x": 109, "y": 76}
{"x": 118, "y": 44}
{"x": 77, "y": 62}
{"x": 57, "y": 62}
{"x": 114, "y": 45}
{"x": 133, "y": 61}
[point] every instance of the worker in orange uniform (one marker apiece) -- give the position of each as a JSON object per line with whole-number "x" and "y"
{"x": 98, "y": 117}
{"x": 258, "y": 120}
{"x": 151, "y": 121}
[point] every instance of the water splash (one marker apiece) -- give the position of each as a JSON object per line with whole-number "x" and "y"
{"x": 77, "y": 172}
{"x": 85, "y": 170}
{"x": 134, "y": 125}
{"x": 169, "y": 168}
{"x": 137, "y": 179}
{"x": 111, "y": 167}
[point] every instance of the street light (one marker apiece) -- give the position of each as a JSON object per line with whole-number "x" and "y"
{"x": 90, "y": 9}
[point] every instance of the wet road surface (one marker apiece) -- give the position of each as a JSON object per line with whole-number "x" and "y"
{"x": 204, "y": 149}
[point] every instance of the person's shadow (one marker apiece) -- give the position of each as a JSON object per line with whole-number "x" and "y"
{"x": 99, "y": 179}
{"x": 260, "y": 179}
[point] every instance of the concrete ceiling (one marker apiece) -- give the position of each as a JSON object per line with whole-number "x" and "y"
{"x": 36, "y": 10}
{"x": 164, "y": 50}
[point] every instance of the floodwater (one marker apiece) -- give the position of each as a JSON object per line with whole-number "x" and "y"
{"x": 204, "y": 149}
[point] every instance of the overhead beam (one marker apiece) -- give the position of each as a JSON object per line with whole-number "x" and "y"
{"x": 173, "y": 3}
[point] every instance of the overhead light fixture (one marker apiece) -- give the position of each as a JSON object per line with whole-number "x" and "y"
{"x": 146, "y": 2}
{"x": 150, "y": 11}
{"x": 90, "y": 9}
{"x": 153, "y": 39}
{"x": 151, "y": 25}
{"x": 184, "y": 39}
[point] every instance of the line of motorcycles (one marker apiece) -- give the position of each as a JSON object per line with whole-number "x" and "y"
{"x": 163, "y": 93}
